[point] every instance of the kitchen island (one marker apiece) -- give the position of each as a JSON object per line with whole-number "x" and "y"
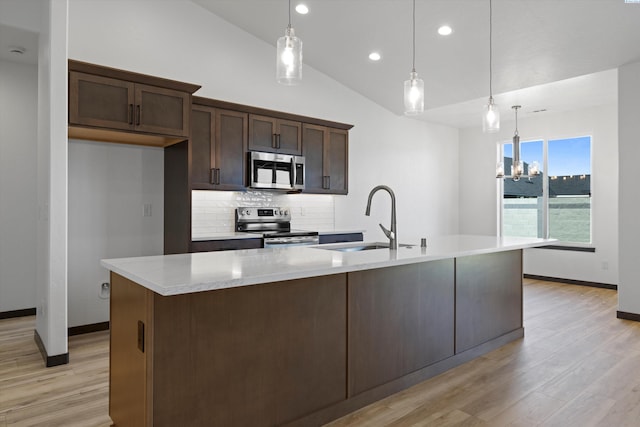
{"x": 302, "y": 335}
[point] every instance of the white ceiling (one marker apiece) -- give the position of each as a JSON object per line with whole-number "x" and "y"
{"x": 574, "y": 44}
{"x": 535, "y": 42}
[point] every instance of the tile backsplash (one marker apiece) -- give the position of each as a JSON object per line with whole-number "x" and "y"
{"x": 213, "y": 212}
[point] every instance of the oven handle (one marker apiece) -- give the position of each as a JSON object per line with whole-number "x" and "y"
{"x": 292, "y": 242}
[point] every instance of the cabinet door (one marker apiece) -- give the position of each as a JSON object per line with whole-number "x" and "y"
{"x": 130, "y": 352}
{"x": 326, "y": 152}
{"x": 202, "y": 149}
{"x": 218, "y": 146}
{"x": 100, "y": 101}
{"x": 230, "y": 142}
{"x": 337, "y": 161}
{"x": 162, "y": 111}
{"x": 314, "y": 141}
{"x": 289, "y": 137}
{"x": 274, "y": 135}
{"x": 262, "y": 133}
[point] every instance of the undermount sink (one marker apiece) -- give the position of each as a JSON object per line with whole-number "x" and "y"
{"x": 350, "y": 247}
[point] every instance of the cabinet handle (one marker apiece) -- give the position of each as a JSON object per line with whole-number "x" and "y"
{"x": 141, "y": 336}
{"x": 138, "y": 114}
{"x": 215, "y": 176}
{"x": 326, "y": 182}
{"x": 130, "y": 114}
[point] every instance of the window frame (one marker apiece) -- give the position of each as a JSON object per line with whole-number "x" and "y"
{"x": 560, "y": 244}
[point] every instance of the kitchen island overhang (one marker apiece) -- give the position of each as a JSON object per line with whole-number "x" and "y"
{"x": 301, "y": 336}
{"x": 204, "y": 271}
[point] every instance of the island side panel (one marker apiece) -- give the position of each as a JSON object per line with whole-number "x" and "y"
{"x": 129, "y": 358}
{"x": 488, "y": 297}
{"x": 257, "y": 355}
{"x": 401, "y": 319}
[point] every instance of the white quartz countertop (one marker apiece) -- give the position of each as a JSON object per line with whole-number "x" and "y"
{"x": 205, "y": 271}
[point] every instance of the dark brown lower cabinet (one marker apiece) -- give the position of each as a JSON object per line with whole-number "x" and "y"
{"x": 225, "y": 245}
{"x": 248, "y": 356}
{"x": 401, "y": 319}
{"x": 303, "y": 352}
{"x": 488, "y": 303}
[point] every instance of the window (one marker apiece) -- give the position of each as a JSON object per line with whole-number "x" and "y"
{"x": 558, "y": 202}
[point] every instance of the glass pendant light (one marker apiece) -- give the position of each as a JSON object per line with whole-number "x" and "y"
{"x": 491, "y": 116}
{"x": 289, "y": 57}
{"x": 414, "y": 87}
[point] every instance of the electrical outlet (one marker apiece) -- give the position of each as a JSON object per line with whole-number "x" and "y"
{"x": 147, "y": 209}
{"x": 605, "y": 265}
{"x": 105, "y": 290}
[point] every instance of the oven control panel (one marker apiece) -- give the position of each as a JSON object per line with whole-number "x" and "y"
{"x": 250, "y": 214}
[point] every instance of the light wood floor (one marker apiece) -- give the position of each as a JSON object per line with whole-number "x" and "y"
{"x": 577, "y": 366}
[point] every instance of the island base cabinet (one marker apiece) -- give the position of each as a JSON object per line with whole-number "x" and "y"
{"x": 248, "y": 356}
{"x": 401, "y": 319}
{"x": 304, "y": 352}
{"x": 488, "y": 297}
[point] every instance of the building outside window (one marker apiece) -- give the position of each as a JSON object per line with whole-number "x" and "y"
{"x": 555, "y": 204}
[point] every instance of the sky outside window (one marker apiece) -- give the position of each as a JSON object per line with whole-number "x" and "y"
{"x": 571, "y": 156}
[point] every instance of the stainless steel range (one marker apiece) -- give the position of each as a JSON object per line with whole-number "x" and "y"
{"x": 275, "y": 226}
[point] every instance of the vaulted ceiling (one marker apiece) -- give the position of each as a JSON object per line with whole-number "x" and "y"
{"x": 552, "y": 55}
{"x": 535, "y": 42}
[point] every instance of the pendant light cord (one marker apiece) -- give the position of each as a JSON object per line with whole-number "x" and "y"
{"x": 414, "y": 36}
{"x": 289, "y": 13}
{"x": 490, "y": 50}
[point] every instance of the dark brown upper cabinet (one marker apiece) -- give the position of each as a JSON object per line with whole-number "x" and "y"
{"x": 274, "y": 135}
{"x": 218, "y": 146}
{"x": 113, "y": 105}
{"x": 326, "y": 152}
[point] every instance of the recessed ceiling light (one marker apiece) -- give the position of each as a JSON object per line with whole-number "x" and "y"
{"x": 374, "y": 56}
{"x": 445, "y": 30}
{"x": 302, "y": 9}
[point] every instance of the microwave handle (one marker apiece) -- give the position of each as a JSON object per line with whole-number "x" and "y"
{"x": 292, "y": 172}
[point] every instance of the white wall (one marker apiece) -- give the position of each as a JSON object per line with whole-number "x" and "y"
{"x": 418, "y": 160}
{"x": 478, "y": 195}
{"x": 18, "y": 201}
{"x": 109, "y": 185}
{"x": 628, "y": 207}
{"x": 22, "y": 14}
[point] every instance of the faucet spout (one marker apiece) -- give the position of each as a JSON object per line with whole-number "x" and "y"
{"x": 392, "y": 234}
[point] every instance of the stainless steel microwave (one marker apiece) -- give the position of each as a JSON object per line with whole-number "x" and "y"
{"x": 276, "y": 171}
